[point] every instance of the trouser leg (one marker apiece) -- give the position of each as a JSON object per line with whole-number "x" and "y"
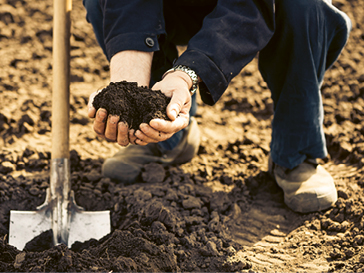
{"x": 308, "y": 39}
{"x": 95, "y": 17}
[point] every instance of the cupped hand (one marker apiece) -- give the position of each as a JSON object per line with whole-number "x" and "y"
{"x": 175, "y": 85}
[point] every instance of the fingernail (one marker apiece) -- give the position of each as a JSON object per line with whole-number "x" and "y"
{"x": 114, "y": 119}
{"x": 102, "y": 114}
{"x": 174, "y": 113}
{"x": 143, "y": 127}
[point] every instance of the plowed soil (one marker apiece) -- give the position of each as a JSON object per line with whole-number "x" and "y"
{"x": 220, "y": 212}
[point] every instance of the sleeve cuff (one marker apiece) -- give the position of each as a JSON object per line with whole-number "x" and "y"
{"x": 132, "y": 41}
{"x": 213, "y": 83}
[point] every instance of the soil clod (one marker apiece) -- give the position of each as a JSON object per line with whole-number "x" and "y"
{"x": 132, "y": 103}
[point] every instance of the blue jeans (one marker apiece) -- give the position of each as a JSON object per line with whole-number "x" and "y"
{"x": 308, "y": 38}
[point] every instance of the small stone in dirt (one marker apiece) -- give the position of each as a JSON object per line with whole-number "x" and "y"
{"x": 19, "y": 259}
{"x": 193, "y": 220}
{"x": 93, "y": 176}
{"x": 316, "y": 224}
{"x": 157, "y": 191}
{"x": 230, "y": 250}
{"x": 141, "y": 194}
{"x": 220, "y": 201}
{"x": 336, "y": 254}
{"x": 34, "y": 190}
{"x": 211, "y": 247}
{"x": 235, "y": 212}
{"x": 6, "y": 167}
{"x": 4, "y": 186}
{"x": 171, "y": 195}
{"x": 192, "y": 203}
{"x": 359, "y": 240}
{"x": 236, "y": 264}
{"x": 158, "y": 227}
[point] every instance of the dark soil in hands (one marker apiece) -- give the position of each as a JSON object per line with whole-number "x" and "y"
{"x": 134, "y": 104}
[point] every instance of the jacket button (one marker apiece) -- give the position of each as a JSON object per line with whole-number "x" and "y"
{"x": 149, "y": 42}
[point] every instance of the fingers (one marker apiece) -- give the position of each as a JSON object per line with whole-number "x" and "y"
{"x": 123, "y": 134}
{"x": 99, "y": 122}
{"x": 109, "y": 127}
{"x": 150, "y": 135}
{"x": 132, "y": 137}
{"x": 166, "y": 126}
{"x": 111, "y": 131}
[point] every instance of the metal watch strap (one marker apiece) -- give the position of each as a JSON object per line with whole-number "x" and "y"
{"x": 190, "y": 73}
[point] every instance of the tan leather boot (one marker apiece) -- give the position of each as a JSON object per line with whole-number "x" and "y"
{"x": 126, "y": 165}
{"x": 307, "y": 187}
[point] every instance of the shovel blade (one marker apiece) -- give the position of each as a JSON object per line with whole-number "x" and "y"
{"x": 25, "y": 225}
{"x": 86, "y": 225}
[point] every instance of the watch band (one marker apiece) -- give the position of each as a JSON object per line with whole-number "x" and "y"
{"x": 190, "y": 73}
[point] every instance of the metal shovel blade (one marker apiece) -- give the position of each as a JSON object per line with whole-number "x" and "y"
{"x": 26, "y": 225}
{"x": 59, "y": 213}
{"x": 84, "y": 225}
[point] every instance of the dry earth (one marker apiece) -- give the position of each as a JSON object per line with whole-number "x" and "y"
{"x": 221, "y": 212}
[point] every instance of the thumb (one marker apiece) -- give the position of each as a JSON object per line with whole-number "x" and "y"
{"x": 173, "y": 109}
{"x": 176, "y": 104}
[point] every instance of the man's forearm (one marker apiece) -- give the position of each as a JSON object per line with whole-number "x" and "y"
{"x": 131, "y": 66}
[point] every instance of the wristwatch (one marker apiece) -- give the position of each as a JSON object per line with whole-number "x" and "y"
{"x": 190, "y": 73}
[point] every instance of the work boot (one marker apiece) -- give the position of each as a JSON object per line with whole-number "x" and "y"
{"x": 307, "y": 187}
{"x": 126, "y": 165}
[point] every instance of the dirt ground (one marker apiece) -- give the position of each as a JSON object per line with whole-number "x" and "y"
{"x": 220, "y": 212}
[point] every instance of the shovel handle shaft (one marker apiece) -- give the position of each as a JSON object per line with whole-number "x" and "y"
{"x": 60, "y": 187}
{"x": 61, "y": 75}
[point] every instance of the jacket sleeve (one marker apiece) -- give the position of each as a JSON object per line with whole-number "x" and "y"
{"x": 132, "y": 25}
{"x": 230, "y": 37}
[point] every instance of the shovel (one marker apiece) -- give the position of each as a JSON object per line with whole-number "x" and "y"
{"x": 59, "y": 212}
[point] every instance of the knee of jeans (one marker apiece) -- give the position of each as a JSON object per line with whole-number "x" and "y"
{"x": 92, "y": 8}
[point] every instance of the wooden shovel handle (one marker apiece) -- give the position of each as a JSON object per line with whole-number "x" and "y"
{"x": 61, "y": 78}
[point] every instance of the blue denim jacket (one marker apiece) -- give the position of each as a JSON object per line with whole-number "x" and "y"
{"x": 222, "y": 36}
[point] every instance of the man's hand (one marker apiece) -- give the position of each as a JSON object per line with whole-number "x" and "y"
{"x": 131, "y": 66}
{"x": 175, "y": 85}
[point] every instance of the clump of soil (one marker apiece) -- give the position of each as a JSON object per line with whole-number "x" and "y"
{"x": 134, "y": 104}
